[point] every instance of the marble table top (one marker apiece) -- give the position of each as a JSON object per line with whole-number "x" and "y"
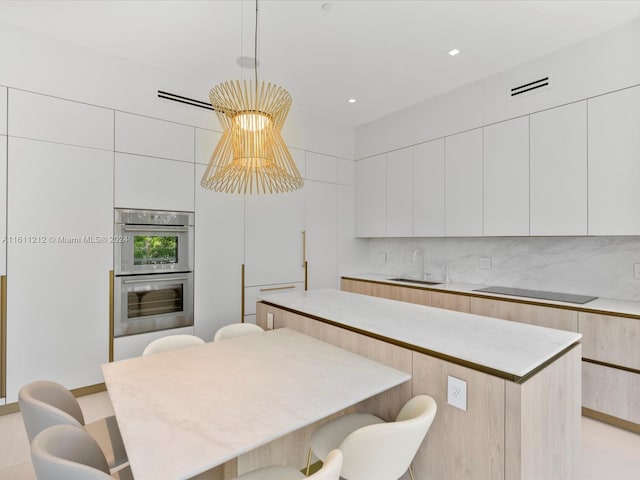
{"x": 511, "y": 349}
{"x": 185, "y": 411}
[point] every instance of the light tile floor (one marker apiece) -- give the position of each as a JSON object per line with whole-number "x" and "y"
{"x": 608, "y": 453}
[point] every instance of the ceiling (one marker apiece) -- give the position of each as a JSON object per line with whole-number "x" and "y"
{"x": 388, "y": 54}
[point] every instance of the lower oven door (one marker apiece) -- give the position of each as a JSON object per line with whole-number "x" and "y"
{"x": 147, "y": 303}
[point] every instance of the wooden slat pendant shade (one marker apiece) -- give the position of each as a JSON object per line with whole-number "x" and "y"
{"x": 251, "y": 156}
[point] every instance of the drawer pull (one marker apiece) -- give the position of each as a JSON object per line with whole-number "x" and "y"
{"x": 277, "y": 288}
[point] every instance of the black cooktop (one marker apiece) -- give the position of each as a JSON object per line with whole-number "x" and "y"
{"x": 541, "y": 294}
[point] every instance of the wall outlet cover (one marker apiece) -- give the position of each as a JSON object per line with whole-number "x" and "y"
{"x": 269, "y": 321}
{"x": 457, "y": 393}
{"x": 484, "y": 263}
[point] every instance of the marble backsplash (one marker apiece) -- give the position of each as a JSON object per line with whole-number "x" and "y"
{"x": 598, "y": 266}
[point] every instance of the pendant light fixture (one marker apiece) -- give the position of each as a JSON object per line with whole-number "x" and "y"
{"x": 251, "y": 157}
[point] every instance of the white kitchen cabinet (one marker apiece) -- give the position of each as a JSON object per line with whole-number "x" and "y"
{"x": 371, "y": 194}
{"x": 3, "y": 204}
{"x": 3, "y": 110}
{"x": 251, "y": 295}
{"x": 133, "y": 345}
{"x": 153, "y": 183}
{"x": 558, "y": 159}
{"x": 42, "y": 117}
{"x": 219, "y": 255}
{"x": 321, "y": 227}
{"x": 273, "y": 238}
{"x": 152, "y": 137}
{"x": 506, "y": 178}
{"x": 60, "y": 217}
{"x": 399, "y": 193}
{"x": 206, "y": 141}
{"x": 322, "y": 168}
{"x": 614, "y": 163}
{"x": 346, "y": 172}
{"x": 428, "y": 189}
{"x": 463, "y": 184}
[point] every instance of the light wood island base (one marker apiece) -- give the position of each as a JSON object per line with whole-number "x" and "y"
{"x": 527, "y": 429}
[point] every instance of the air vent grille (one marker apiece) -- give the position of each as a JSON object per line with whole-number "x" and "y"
{"x": 530, "y": 87}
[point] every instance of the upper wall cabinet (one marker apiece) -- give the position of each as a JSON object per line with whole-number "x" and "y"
{"x": 3, "y": 110}
{"x": 506, "y": 178}
{"x": 322, "y": 168}
{"x": 155, "y": 138}
{"x": 559, "y": 171}
{"x": 153, "y": 183}
{"x": 206, "y": 142}
{"x": 428, "y": 189}
{"x": 400, "y": 193}
{"x": 463, "y": 184}
{"x": 614, "y": 163}
{"x": 3, "y": 202}
{"x": 41, "y": 117}
{"x": 371, "y": 191}
{"x": 346, "y": 172}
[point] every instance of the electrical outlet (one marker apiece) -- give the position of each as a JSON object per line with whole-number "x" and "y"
{"x": 380, "y": 258}
{"x": 484, "y": 263}
{"x": 457, "y": 393}
{"x": 269, "y": 321}
{"x": 636, "y": 271}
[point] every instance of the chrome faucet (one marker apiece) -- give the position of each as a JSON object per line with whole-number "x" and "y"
{"x": 418, "y": 259}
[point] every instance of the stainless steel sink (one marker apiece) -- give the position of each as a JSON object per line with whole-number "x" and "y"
{"x": 414, "y": 280}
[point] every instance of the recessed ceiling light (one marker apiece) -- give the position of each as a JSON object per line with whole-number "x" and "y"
{"x": 326, "y": 7}
{"x": 352, "y": 100}
{"x": 454, "y": 52}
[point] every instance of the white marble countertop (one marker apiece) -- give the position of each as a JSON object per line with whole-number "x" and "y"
{"x": 185, "y": 411}
{"x": 511, "y": 348}
{"x": 599, "y": 305}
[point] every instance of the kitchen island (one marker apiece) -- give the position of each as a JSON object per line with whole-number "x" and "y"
{"x": 522, "y": 414}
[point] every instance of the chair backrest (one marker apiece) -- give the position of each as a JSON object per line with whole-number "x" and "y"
{"x": 235, "y": 330}
{"x": 331, "y": 468}
{"x": 65, "y": 452}
{"x": 386, "y": 450}
{"x": 44, "y": 404}
{"x": 171, "y": 342}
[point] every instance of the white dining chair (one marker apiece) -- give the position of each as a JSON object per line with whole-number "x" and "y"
{"x": 330, "y": 471}
{"x": 171, "y": 342}
{"x": 63, "y": 452}
{"x": 44, "y": 404}
{"x": 235, "y": 330}
{"x": 373, "y": 448}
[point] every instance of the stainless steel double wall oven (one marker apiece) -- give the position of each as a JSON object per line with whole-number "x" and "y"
{"x": 154, "y": 271}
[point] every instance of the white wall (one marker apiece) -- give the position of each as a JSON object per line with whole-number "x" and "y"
{"x": 602, "y": 64}
{"x": 42, "y": 64}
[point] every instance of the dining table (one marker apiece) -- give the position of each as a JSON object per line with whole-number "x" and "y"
{"x": 185, "y": 411}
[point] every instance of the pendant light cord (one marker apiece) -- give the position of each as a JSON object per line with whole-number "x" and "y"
{"x": 255, "y": 48}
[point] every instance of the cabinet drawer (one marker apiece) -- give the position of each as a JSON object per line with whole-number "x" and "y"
{"x": 133, "y": 345}
{"x": 610, "y": 339}
{"x": 611, "y": 391}
{"x": 3, "y": 110}
{"x": 521, "y": 312}
{"x": 252, "y": 293}
{"x": 41, "y": 117}
{"x": 451, "y": 301}
{"x": 153, "y": 137}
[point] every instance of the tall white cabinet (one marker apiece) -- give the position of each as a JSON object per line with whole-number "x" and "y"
{"x": 614, "y": 163}
{"x": 463, "y": 184}
{"x": 506, "y": 178}
{"x": 371, "y": 192}
{"x": 60, "y": 193}
{"x": 559, "y": 171}
{"x": 428, "y": 189}
{"x": 399, "y": 193}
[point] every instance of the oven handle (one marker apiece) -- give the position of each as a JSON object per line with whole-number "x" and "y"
{"x": 150, "y": 280}
{"x": 155, "y": 228}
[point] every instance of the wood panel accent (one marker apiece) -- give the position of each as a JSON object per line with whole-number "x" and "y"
{"x": 542, "y": 423}
{"x": 451, "y": 301}
{"x": 561, "y": 319}
{"x": 610, "y": 339}
{"x": 461, "y": 445}
{"x": 611, "y": 391}
{"x": 392, "y": 292}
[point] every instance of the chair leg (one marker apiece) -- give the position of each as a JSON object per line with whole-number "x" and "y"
{"x": 308, "y": 463}
{"x": 411, "y": 473}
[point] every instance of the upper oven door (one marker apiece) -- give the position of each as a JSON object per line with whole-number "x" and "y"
{"x": 153, "y": 249}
